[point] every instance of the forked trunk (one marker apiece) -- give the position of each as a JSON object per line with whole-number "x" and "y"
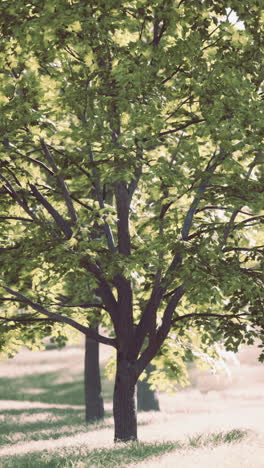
{"x": 94, "y": 406}
{"x": 125, "y": 414}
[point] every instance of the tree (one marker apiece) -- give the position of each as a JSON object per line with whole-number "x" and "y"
{"x": 94, "y": 405}
{"x": 147, "y": 399}
{"x": 159, "y": 104}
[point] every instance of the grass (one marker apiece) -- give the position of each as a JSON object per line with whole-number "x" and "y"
{"x": 121, "y": 455}
{"x": 216, "y": 438}
{"x": 43, "y": 423}
{"x": 45, "y": 388}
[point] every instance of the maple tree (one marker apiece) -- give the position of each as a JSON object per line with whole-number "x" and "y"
{"x": 131, "y": 179}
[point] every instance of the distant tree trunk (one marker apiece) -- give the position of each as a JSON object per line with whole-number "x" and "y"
{"x": 94, "y": 405}
{"x": 147, "y": 399}
{"x": 125, "y": 414}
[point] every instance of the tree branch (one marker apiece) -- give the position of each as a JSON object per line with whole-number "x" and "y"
{"x": 167, "y": 315}
{"x": 245, "y": 221}
{"x": 162, "y": 332}
{"x": 171, "y": 75}
{"x": 103, "y": 290}
{"x": 204, "y": 314}
{"x": 13, "y": 148}
{"x": 59, "y": 220}
{"x": 257, "y": 248}
{"x": 39, "y": 163}
{"x": 17, "y": 218}
{"x": 230, "y": 224}
{"x": 215, "y": 207}
{"x": 181, "y": 127}
{"x": 201, "y": 189}
{"x": 85, "y": 305}
{"x": 26, "y": 319}
{"x": 12, "y": 192}
{"x": 82, "y": 203}
{"x": 61, "y": 183}
{"x": 147, "y": 318}
{"x": 122, "y": 206}
{"x": 107, "y": 229}
{"x": 90, "y": 332}
{"x": 138, "y": 171}
{"x": 187, "y": 224}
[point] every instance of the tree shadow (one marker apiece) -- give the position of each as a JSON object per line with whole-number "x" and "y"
{"x": 20, "y": 425}
{"x": 44, "y": 387}
{"x": 49, "y": 421}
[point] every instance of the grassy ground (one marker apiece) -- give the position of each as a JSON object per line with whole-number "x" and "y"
{"x": 41, "y": 419}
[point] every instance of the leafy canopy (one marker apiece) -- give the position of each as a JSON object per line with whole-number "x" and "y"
{"x": 131, "y": 173}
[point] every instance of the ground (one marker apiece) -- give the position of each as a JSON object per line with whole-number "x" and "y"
{"x": 216, "y": 422}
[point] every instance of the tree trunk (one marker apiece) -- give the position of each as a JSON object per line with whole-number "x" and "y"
{"x": 147, "y": 399}
{"x": 94, "y": 406}
{"x": 125, "y": 414}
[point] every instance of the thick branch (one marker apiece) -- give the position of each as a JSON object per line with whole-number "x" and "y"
{"x": 123, "y": 285}
{"x": 147, "y": 318}
{"x": 167, "y": 316}
{"x": 125, "y": 328}
{"x": 103, "y": 290}
{"x": 122, "y": 206}
{"x": 90, "y": 332}
{"x": 158, "y": 32}
{"x": 162, "y": 333}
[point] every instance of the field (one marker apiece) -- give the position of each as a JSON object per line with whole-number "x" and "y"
{"x": 216, "y": 422}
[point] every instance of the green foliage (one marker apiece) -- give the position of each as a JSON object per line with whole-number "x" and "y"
{"x": 131, "y": 137}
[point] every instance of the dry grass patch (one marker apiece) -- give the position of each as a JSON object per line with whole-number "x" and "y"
{"x": 119, "y": 455}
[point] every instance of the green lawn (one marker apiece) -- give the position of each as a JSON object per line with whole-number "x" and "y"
{"x": 42, "y": 422}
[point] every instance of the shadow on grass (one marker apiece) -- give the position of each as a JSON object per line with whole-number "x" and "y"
{"x": 44, "y": 424}
{"x": 25, "y": 424}
{"x": 44, "y": 387}
{"x": 57, "y": 423}
{"x": 118, "y": 456}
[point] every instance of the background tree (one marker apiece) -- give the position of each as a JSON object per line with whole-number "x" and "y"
{"x": 160, "y": 104}
{"x": 147, "y": 399}
{"x": 94, "y": 405}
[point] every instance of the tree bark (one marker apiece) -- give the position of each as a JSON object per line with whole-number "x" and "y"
{"x": 147, "y": 399}
{"x": 94, "y": 406}
{"x": 124, "y": 409}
